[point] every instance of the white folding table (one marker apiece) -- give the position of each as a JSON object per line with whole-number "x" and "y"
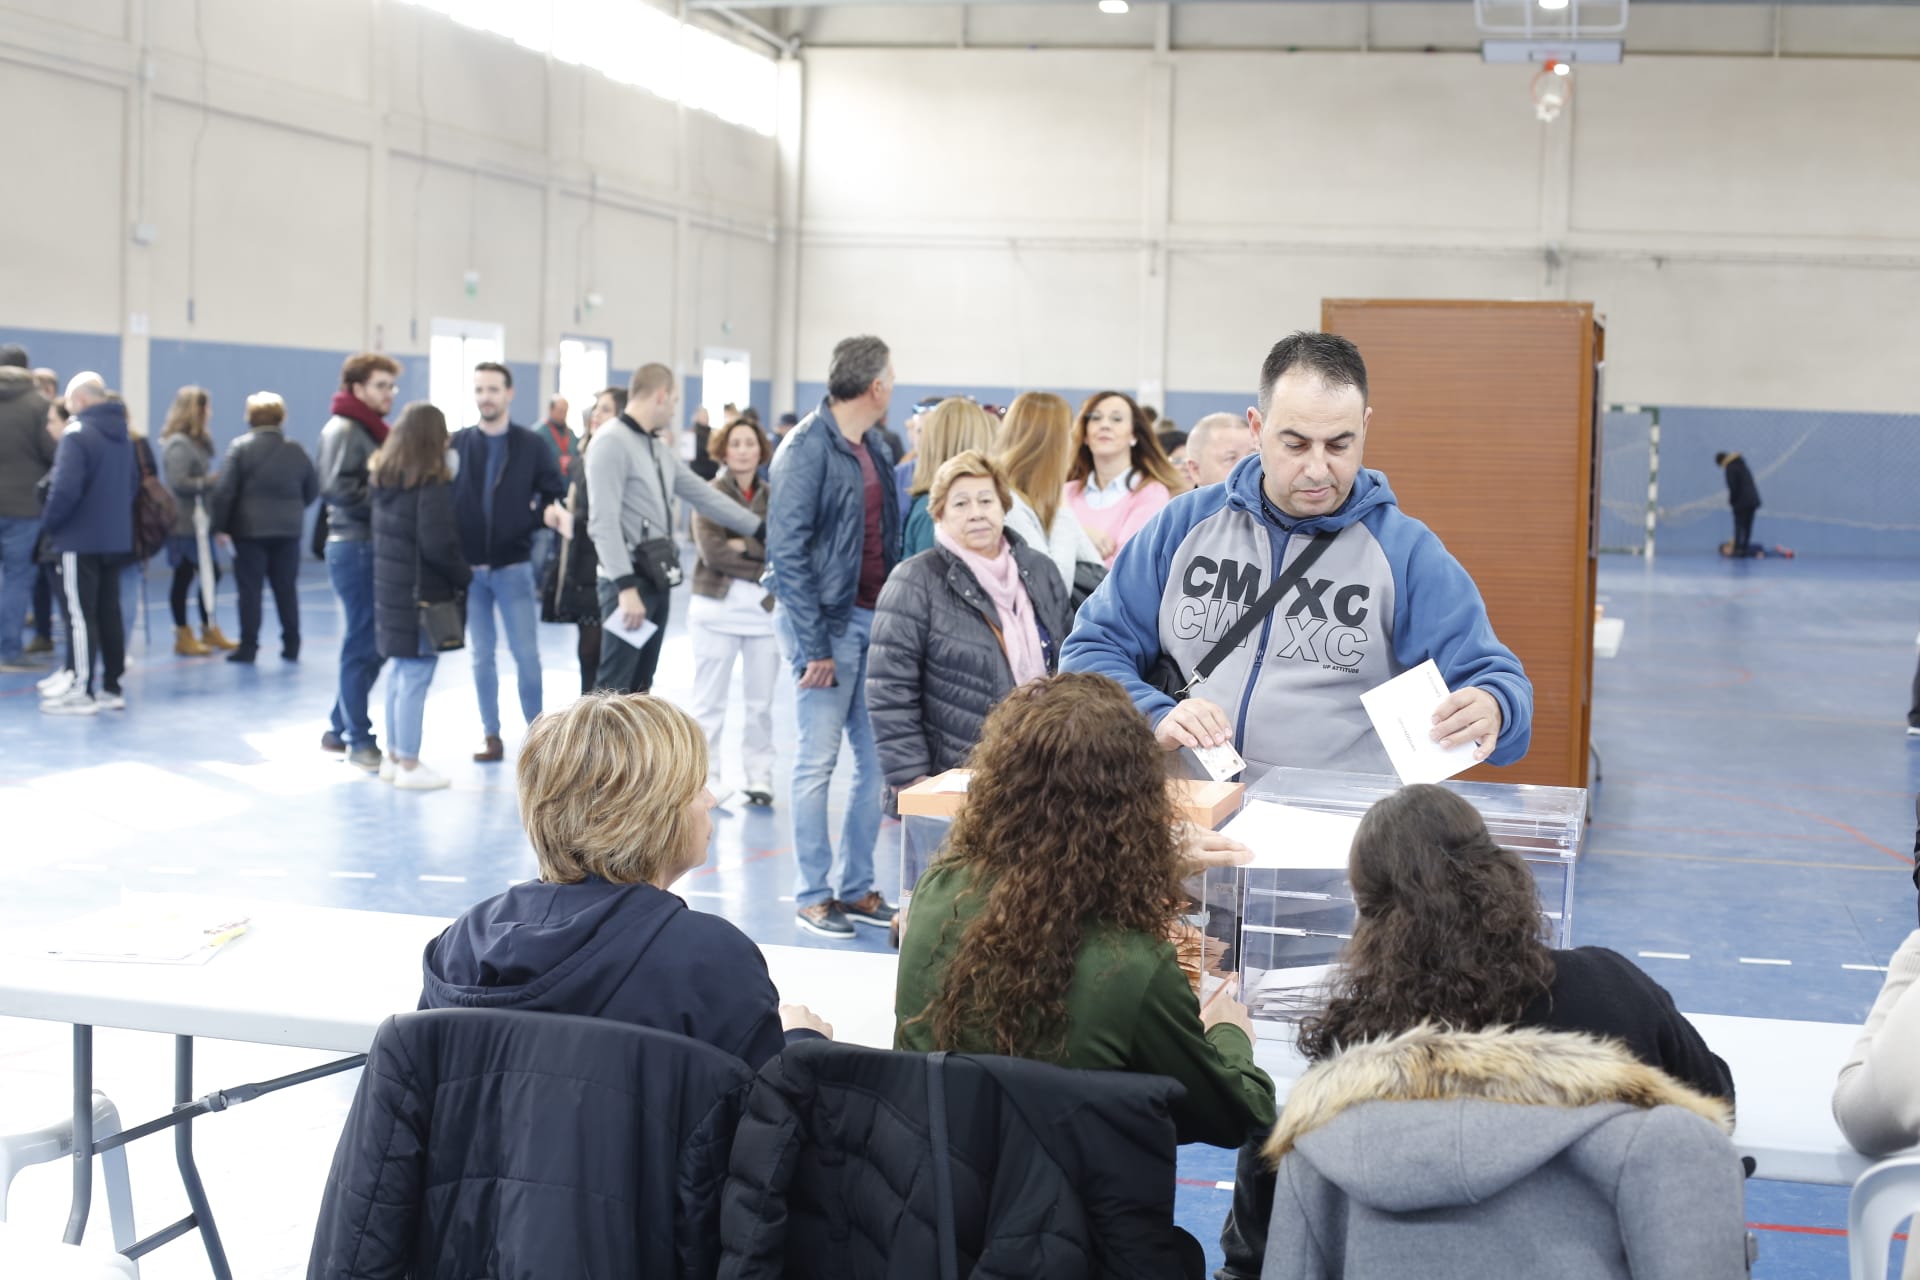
{"x": 325, "y": 978}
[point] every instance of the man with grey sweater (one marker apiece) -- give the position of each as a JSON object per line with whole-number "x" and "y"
{"x": 631, "y": 479}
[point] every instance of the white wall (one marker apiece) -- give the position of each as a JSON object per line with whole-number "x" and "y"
{"x": 321, "y": 174}
{"x": 1158, "y": 216}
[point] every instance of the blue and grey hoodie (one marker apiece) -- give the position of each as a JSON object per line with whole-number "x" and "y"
{"x": 95, "y": 477}
{"x": 1382, "y": 599}
{"x": 631, "y": 952}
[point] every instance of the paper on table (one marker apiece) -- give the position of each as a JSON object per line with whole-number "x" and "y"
{"x": 635, "y": 636}
{"x": 1402, "y": 714}
{"x": 949, "y": 783}
{"x": 149, "y": 929}
{"x": 1284, "y": 836}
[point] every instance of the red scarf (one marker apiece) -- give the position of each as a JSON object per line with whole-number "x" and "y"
{"x": 348, "y": 405}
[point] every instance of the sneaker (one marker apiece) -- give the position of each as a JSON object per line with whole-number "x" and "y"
{"x": 331, "y": 741}
{"x": 242, "y": 656}
{"x": 419, "y": 778}
{"x": 75, "y": 703}
{"x": 869, "y": 908}
{"x": 56, "y": 684}
{"x": 1913, "y": 731}
{"x": 386, "y": 768}
{"x": 825, "y": 919}
{"x": 760, "y": 795}
{"x": 367, "y": 758}
{"x": 110, "y": 700}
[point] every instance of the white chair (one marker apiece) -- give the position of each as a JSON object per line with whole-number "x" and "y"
{"x": 47, "y": 1259}
{"x": 1883, "y": 1197}
{"x": 37, "y": 1137}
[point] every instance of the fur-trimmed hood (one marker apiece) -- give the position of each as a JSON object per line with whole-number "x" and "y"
{"x": 1465, "y": 1137}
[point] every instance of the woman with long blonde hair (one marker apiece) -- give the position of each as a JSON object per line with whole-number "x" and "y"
{"x": 1120, "y": 477}
{"x": 186, "y": 453}
{"x": 955, "y": 426}
{"x": 1036, "y": 448}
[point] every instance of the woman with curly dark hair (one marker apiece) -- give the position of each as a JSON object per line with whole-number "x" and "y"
{"x": 1449, "y": 931}
{"x": 1042, "y": 931}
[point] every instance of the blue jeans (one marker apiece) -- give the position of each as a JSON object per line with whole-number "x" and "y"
{"x": 17, "y": 575}
{"x": 511, "y": 588}
{"x": 824, "y": 716}
{"x": 350, "y": 570}
{"x": 407, "y": 686}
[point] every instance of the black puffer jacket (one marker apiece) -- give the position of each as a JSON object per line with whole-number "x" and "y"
{"x": 1051, "y": 1172}
{"x": 416, "y": 560}
{"x": 484, "y": 1142}
{"x": 266, "y": 484}
{"x": 937, "y": 667}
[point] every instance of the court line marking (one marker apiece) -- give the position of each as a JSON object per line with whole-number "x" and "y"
{"x": 443, "y": 879}
{"x": 351, "y": 875}
{"x": 1866, "y": 968}
{"x": 173, "y": 871}
{"x": 1761, "y": 960}
{"x": 1665, "y": 955}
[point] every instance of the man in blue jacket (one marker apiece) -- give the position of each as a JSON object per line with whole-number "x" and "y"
{"x": 508, "y": 487}
{"x": 833, "y": 534}
{"x": 89, "y": 521}
{"x": 1384, "y": 597}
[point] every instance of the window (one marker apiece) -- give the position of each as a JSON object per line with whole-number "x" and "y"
{"x": 725, "y": 378}
{"x": 583, "y": 374}
{"x": 458, "y": 345}
{"x": 631, "y": 42}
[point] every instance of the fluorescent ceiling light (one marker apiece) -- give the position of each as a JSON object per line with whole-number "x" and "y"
{"x": 1553, "y": 4}
{"x": 1120, "y": 6}
{"x": 1562, "y": 69}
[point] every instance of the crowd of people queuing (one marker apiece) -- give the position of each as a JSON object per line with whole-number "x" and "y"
{"x": 1036, "y": 592}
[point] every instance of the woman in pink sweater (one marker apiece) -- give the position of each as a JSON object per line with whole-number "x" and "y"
{"x": 1121, "y": 476}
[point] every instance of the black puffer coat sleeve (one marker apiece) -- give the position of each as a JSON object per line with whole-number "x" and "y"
{"x": 753, "y": 1203}
{"x": 371, "y": 1208}
{"x": 438, "y": 535}
{"x": 896, "y": 664}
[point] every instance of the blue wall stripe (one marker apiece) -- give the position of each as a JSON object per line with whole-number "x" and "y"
{"x": 69, "y": 353}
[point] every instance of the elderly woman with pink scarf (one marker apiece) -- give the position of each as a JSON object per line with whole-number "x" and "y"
{"x": 959, "y": 626}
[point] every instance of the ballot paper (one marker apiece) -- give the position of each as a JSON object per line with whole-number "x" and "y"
{"x": 1285, "y": 836}
{"x": 1222, "y": 762}
{"x": 150, "y": 929}
{"x": 635, "y": 636}
{"x": 1402, "y": 714}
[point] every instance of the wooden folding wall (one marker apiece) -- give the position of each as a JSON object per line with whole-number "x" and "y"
{"x": 1485, "y": 422}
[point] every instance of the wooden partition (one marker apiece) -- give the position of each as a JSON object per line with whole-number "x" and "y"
{"x": 1485, "y": 421}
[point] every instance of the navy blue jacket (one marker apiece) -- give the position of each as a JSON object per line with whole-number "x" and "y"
{"x": 816, "y": 524}
{"x": 483, "y": 1143}
{"x": 529, "y": 481}
{"x": 90, "y": 503}
{"x": 631, "y": 952}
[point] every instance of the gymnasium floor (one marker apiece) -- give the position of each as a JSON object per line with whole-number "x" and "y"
{"x": 1753, "y": 829}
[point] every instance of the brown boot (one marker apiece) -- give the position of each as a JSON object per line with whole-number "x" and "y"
{"x": 492, "y": 753}
{"x": 210, "y": 635}
{"x": 186, "y": 646}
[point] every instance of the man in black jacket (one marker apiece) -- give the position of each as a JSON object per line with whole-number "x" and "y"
{"x": 357, "y": 427}
{"x": 1743, "y": 495}
{"x": 508, "y": 488}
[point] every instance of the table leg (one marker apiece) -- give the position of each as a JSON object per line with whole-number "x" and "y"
{"x": 82, "y": 1133}
{"x": 183, "y": 1155}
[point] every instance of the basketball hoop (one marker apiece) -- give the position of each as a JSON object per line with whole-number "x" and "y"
{"x": 1552, "y": 89}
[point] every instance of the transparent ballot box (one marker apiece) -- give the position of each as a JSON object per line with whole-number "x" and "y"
{"x": 1279, "y": 926}
{"x": 927, "y": 810}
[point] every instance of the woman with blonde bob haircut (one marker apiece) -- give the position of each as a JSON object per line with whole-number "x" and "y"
{"x": 954, "y": 426}
{"x": 614, "y": 799}
{"x": 1036, "y": 446}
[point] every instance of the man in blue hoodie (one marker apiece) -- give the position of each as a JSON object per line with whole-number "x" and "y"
{"x": 1384, "y": 597}
{"x": 89, "y": 521}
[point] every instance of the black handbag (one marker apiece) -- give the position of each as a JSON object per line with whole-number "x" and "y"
{"x": 444, "y": 621}
{"x": 1087, "y": 577}
{"x": 657, "y": 560}
{"x": 1165, "y": 674}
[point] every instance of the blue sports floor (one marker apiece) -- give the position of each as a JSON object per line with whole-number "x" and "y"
{"x": 1757, "y": 804}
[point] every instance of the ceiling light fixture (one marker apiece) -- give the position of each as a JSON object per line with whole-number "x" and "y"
{"x": 1561, "y": 69}
{"x": 1553, "y": 4}
{"x": 1120, "y": 6}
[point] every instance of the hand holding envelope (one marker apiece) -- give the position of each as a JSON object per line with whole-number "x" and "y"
{"x": 1430, "y": 733}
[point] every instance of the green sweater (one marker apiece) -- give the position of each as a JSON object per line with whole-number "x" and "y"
{"x": 917, "y": 534}
{"x": 1130, "y": 1009}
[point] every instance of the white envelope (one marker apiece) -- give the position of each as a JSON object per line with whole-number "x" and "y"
{"x": 1402, "y": 714}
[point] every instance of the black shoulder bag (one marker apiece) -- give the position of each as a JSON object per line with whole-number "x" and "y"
{"x": 657, "y": 559}
{"x": 444, "y": 621}
{"x": 1165, "y": 674}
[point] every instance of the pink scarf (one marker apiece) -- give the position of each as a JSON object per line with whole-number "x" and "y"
{"x": 1000, "y": 578}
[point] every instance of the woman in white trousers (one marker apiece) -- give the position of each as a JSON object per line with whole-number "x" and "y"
{"x": 730, "y": 617}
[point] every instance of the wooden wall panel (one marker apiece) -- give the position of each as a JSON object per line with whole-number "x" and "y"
{"x": 1483, "y": 421}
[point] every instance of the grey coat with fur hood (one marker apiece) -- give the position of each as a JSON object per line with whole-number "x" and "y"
{"x": 1465, "y": 1155}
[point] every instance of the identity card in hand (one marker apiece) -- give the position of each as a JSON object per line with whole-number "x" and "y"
{"x": 1221, "y": 762}
{"x": 1402, "y": 714}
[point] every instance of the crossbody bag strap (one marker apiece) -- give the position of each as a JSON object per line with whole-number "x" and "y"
{"x": 1271, "y": 597}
